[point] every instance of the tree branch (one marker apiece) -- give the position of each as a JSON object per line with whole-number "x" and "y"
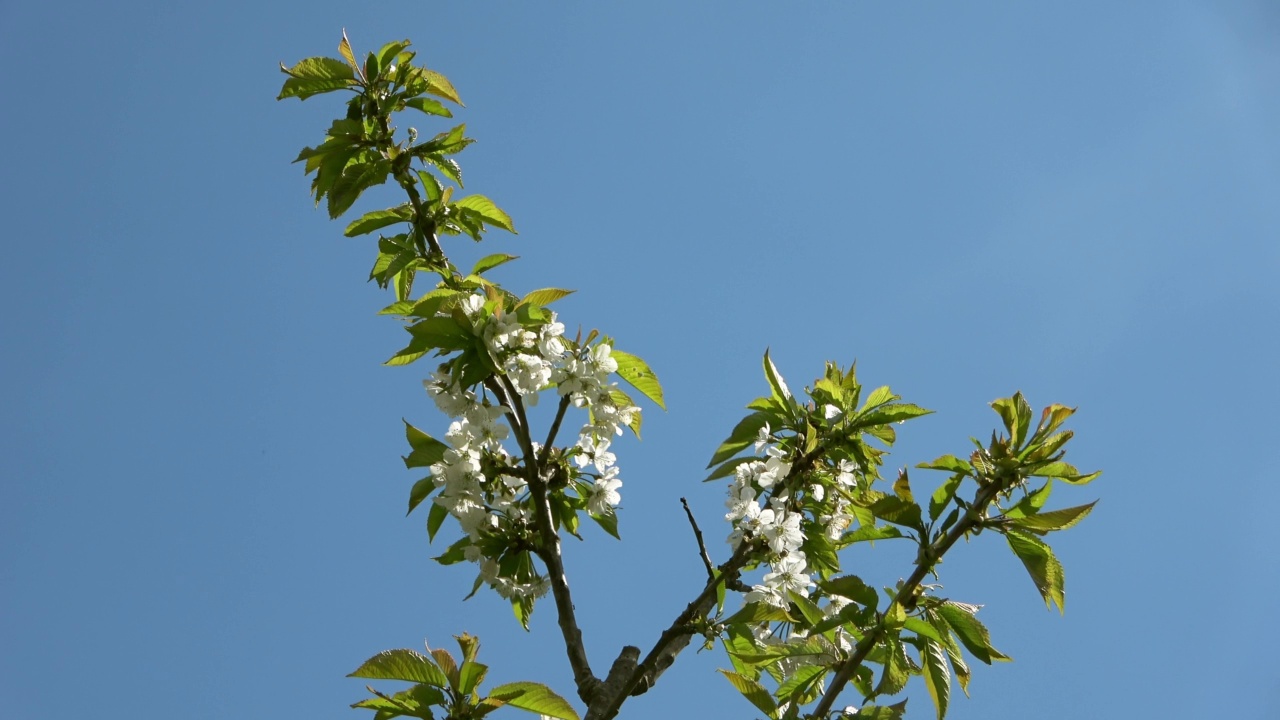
{"x": 672, "y": 641}
{"x": 906, "y": 595}
{"x": 549, "y": 550}
{"x": 555, "y": 427}
{"x": 702, "y": 548}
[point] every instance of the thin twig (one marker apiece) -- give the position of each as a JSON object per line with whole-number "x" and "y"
{"x": 555, "y": 428}
{"x": 702, "y": 548}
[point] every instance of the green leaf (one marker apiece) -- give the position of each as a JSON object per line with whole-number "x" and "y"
{"x": 427, "y": 451}
{"x": 896, "y": 667}
{"x": 344, "y": 49}
{"x": 406, "y": 665}
{"x": 754, "y": 692}
{"x": 420, "y": 491}
{"x": 1052, "y": 417}
{"x": 802, "y": 687}
{"x": 755, "y": 612}
{"x": 781, "y": 392}
{"x": 637, "y": 374}
{"x": 942, "y": 496}
{"x": 891, "y": 508}
{"x": 809, "y": 610}
{"x": 870, "y": 532}
{"x": 972, "y": 633}
{"x": 879, "y": 396}
{"x": 608, "y": 522}
{"x": 1016, "y": 414}
{"x": 728, "y": 467}
{"x": 1053, "y": 520}
{"x": 1031, "y": 504}
{"x": 435, "y": 518}
{"x": 314, "y": 76}
{"x": 355, "y": 179}
{"x": 1065, "y": 472}
{"x": 470, "y": 675}
{"x": 416, "y": 701}
{"x": 489, "y": 262}
{"x": 937, "y": 677}
{"x": 536, "y": 698}
{"x": 377, "y": 219}
{"x": 743, "y": 436}
{"x": 443, "y": 333}
{"x": 949, "y": 463}
{"x": 1044, "y": 568}
{"x": 544, "y": 297}
{"x": 897, "y": 412}
{"x": 852, "y": 587}
{"x": 440, "y": 86}
{"x": 387, "y": 55}
{"x": 484, "y": 207}
{"x": 922, "y": 628}
{"x": 428, "y": 106}
{"x": 880, "y": 712}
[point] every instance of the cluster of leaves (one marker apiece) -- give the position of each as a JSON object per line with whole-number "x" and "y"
{"x": 361, "y": 151}
{"x": 809, "y": 631}
{"x": 817, "y": 642}
{"x": 440, "y": 682}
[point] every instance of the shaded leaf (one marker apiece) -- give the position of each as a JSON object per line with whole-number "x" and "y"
{"x": 937, "y": 677}
{"x": 1042, "y": 566}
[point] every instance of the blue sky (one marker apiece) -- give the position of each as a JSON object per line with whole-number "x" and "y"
{"x": 201, "y": 497}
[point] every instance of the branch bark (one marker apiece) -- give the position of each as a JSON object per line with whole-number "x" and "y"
{"x": 549, "y": 549}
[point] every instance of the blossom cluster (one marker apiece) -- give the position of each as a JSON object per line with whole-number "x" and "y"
{"x": 481, "y": 484}
{"x": 762, "y": 505}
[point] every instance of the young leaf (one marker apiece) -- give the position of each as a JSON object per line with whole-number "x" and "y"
{"x": 1053, "y": 520}
{"x": 435, "y": 518}
{"x": 428, "y": 106}
{"x": 972, "y": 633}
{"x": 942, "y": 496}
{"x": 742, "y": 436}
{"x": 377, "y": 219}
{"x": 490, "y": 213}
{"x": 355, "y": 179}
{"x": 536, "y": 698}
{"x": 949, "y": 463}
{"x": 754, "y": 692}
{"x": 896, "y": 667}
{"x": 937, "y": 677}
{"x": 1064, "y": 472}
{"x": 802, "y": 686}
{"x": 544, "y": 297}
{"x": 427, "y": 451}
{"x": 728, "y": 467}
{"x": 879, "y": 712}
{"x": 470, "y": 675}
{"x": 420, "y": 491}
{"x": 402, "y": 664}
{"x": 1044, "y": 568}
{"x": 314, "y": 76}
{"x": 490, "y": 262}
{"x": 637, "y": 374}
{"x": 781, "y": 392}
{"x": 1016, "y": 414}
